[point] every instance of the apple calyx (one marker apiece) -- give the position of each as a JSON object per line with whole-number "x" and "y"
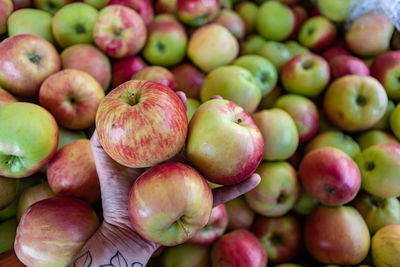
{"x": 307, "y": 64}
{"x": 80, "y": 29}
{"x": 330, "y": 190}
{"x": 361, "y": 100}
{"x": 281, "y": 198}
{"x": 161, "y": 47}
{"x": 369, "y": 165}
{"x": 34, "y": 58}
{"x": 377, "y": 202}
{"x": 276, "y": 239}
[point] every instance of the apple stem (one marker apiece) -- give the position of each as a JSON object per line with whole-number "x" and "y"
{"x": 181, "y": 224}
{"x": 11, "y": 160}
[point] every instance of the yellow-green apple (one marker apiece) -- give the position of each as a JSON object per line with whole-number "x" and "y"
{"x": 214, "y": 228}
{"x": 119, "y": 31}
{"x": 6, "y": 97}
{"x": 31, "y": 195}
{"x": 379, "y": 166}
{"x": 73, "y": 24}
{"x": 275, "y": 21}
{"x": 192, "y": 106}
{"x": 89, "y": 59}
{"x": 248, "y": 12}
{"x": 25, "y": 62}
{"x": 336, "y": 10}
{"x": 347, "y": 65}
{"x": 9, "y": 258}
{"x": 142, "y": 7}
{"x": 6, "y": 8}
{"x": 166, "y": 7}
{"x": 166, "y": 43}
{"x": 9, "y": 189}
{"x": 385, "y": 247}
{"x": 123, "y": 69}
{"x": 67, "y": 136}
{"x": 373, "y": 137}
{"x": 334, "y": 52}
{"x": 386, "y": 69}
{"x": 317, "y": 33}
{"x": 238, "y": 248}
{"x": 304, "y": 204}
{"x": 72, "y": 97}
{"x": 224, "y": 160}
{"x": 141, "y": 123}
{"x": 384, "y": 123}
{"x": 156, "y": 74}
{"x": 72, "y": 172}
{"x": 51, "y": 6}
{"x": 232, "y": 21}
{"x": 98, "y": 4}
{"x": 295, "y": 48}
{"x": 334, "y": 139}
{"x": 355, "y": 102}
{"x": 187, "y": 255}
{"x": 32, "y": 21}
{"x": 7, "y": 234}
{"x": 330, "y": 176}
{"x": 306, "y": 74}
{"x": 234, "y": 83}
{"x": 369, "y": 34}
{"x": 189, "y": 79}
{"x": 28, "y": 139}
{"x": 251, "y": 44}
{"x": 197, "y": 12}
{"x": 279, "y": 133}
{"x": 210, "y": 53}
{"x": 269, "y": 99}
{"x": 304, "y": 113}
{"x": 175, "y": 221}
{"x": 395, "y": 121}
{"x": 262, "y": 69}
{"x": 9, "y": 212}
{"x": 277, "y": 191}
{"x": 53, "y": 230}
{"x": 275, "y": 52}
{"x": 240, "y": 215}
{"x": 280, "y": 237}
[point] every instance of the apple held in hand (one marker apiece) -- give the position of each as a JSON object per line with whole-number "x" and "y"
{"x": 9, "y": 189}
{"x": 385, "y": 247}
{"x": 156, "y": 74}
{"x": 197, "y": 12}
{"x": 233, "y": 151}
{"x": 185, "y": 255}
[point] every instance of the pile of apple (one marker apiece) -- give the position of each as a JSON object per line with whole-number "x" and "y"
{"x": 290, "y": 89}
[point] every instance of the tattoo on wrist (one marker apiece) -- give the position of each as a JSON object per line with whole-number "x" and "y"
{"x": 117, "y": 260}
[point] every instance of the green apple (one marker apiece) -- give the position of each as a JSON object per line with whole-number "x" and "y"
{"x": 395, "y": 121}
{"x": 251, "y": 44}
{"x": 9, "y": 212}
{"x": 98, "y": 4}
{"x": 336, "y": 10}
{"x": 295, "y": 48}
{"x": 269, "y": 99}
{"x": 262, "y": 69}
{"x": 233, "y": 83}
{"x": 304, "y": 204}
{"x": 51, "y": 6}
{"x": 384, "y": 123}
{"x": 373, "y": 137}
{"x": 275, "y": 52}
{"x": 192, "y": 105}
{"x": 8, "y": 191}
{"x": 385, "y": 247}
{"x": 279, "y": 132}
{"x": 8, "y": 230}
{"x": 6, "y": 8}
{"x": 67, "y": 136}
{"x": 187, "y": 255}
{"x": 248, "y": 12}
{"x": 275, "y": 21}
{"x": 73, "y": 24}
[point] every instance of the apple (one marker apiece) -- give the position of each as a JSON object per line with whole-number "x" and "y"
{"x": 369, "y": 34}
{"x": 9, "y": 189}
{"x": 385, "y": 247}
{"x": 6, "y": 97}
{"x": 9, "y": 212}
{"x": 317, "y": 33}
{"x": 25, "y": 62}
{"x": 269, "y": 99}
{"x": 300, "y": 16}
{"x": 355, "y": 102}
{"x": 51, "y": 6}
{"x": 67, "y": 136}
{"x": 347, "y": 65}
{"x": 192, "y": 106}
{"x": 304, "y": 204}
{"x": 275, "y": 21}
{"x": 6, "y": 8}
{"x": 379, "y": 166}
{"x": 189, "y": 79}
{"x": 275, "y": 52}
{"x": 142, "y": 7}
{"x": 306, "y": 74}
{"x": 72, "y": 96}
{"x": 220, "y": 159}
{"x": 240, "y": 215}
{"x": 123, "y": 69}
{"x": 333, "y": 52}
{"x": 197, "y": 12}
{"x": 89, "y": 59}
{"x": 187, "y": 255}
{"x": 9, "y": 258}
{"x": 262, "y": 69}
{"x": 98, "y": 4}
{"x": 334, "y": 139}
{"x": 53, "y": 230}
{"x": 73, "y": 24}
{"x": 166, "y": 7}
{"x": 232, "y": 21}
{"x": 295, "y": 48}
{"x": 7, "y": 234}
{"x": 304, "y": 113}
{"x": 166, "y": 44}
{"x": 336, "y": 10}
{"x": 279, "y": 133}
{"x": 251, "y": 44}
{"x": 248, "y": 12}
{"x": 141, "y": 123}
{"x": 32, "y": 21}
{"x": 373, "y": 137}
{"x": 157, "y": 74}
{"x": 280, "y": 237}
{"x": 384, "y": 123}
{"x": 233, "y": 83}
{"x": 238, "y": 248}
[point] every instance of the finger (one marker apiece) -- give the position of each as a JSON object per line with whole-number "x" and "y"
{"x": 183, "y": 98}
{"x": 226, "y": 193}
{"x": 216, "y": 97}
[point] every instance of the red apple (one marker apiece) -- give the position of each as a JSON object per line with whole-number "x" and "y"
{"x": 6, "y": 97}
{"x": 6, "y": 8}
{"x": 9, "y": 259}
{"x": 189, "y": 80}
{"x": 166, "y": 7}
{"x": 142, "y": 7}
{"x": 123, "y": 69}
{"x": 240, "y": 215}
{"x": 347, "y": 65}
{"x": 386, "y": 69}
{"x": 156, "y": 74}
{"x": 233, "y": 22}
{"x": 300, "y": 16}
{"x": 334, "y": 52}
{"x": 197, "y": 12}
{"x": 317, "y": 33}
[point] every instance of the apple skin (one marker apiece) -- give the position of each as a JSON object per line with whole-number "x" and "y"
{"x": 9, "y": 258}
{"x": 214, "y": 228}
{"x": 279, "y": 133}
{"x": 281, "y": 237}
{"x": 208, "y": 54}
{"x": 333, "y": 52}
{"x": 53, "y": 230}
{"x": 336, "y": 10}
{"x": 355, "y": 102}
{"x": 269, "y": 99}
{"x": 373, "y": 137}
{"x": 379, "y": 166}
{"x": 157, "y": 74}
{"x": 6, "y": 8}
{"x": 7, "y": 234}
{"x": 6, "y": 97}
{"x": 9, "y": 189}
{"x": 232, "y": 21}
{"x": 98, "y": 4}
{"x": 304, "y": 113}
{"x": 147, "y": 105}
{"x": 166, "y": 7}
{"x": 304, "y": 204}
{"x": 224, "y": 161}
{"x": 295, "y": 48}
{"x": 300, "y": 16}
{"x": 347, "y": 65}
{"x": 306, "y": 74}
{"x": 370, "y": 34}
{"x": 238, "y": 248}
{"x": 395, "y": 121}
{"x": 330, "y": 176}
{"x": 248, "y": 12}
{"x": 51, "y": 6}
{"x": 384, "y": 123}
{"x": 119, "y": 31}
{"x": 251, "y": 44}
{"x": 89, "y": 59}
{"x": 123, "y": 69}
{"x": 21, "y": 70}
{"x": 385, "y": 247}
{"x": 189, "y": 80}
{"x": 240, "y": 215}
{"x": 275, "y": 52}
{"x": 192, "y": 106}
{"x": 187, "y": 255}
{"x": 278, "y": 190}
{"x": 386, "y": 69}
{"x": 142, "y": 7}
{"x": 197, "y": 12}
{"x": 72, "y": 97}
{"x": 317, "y": 33}
{"x": 176, "y": 221}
